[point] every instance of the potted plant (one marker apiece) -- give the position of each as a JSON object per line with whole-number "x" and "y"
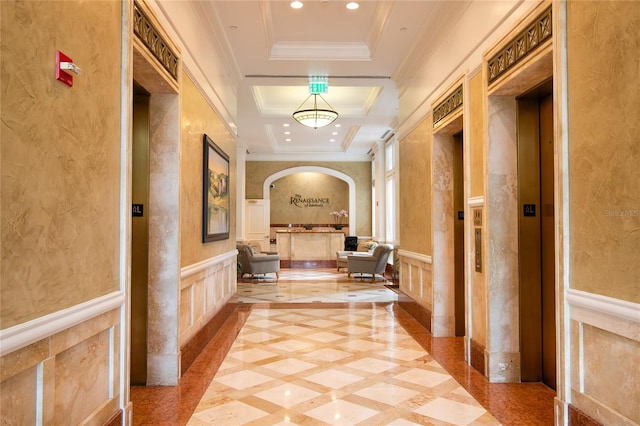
{"x": 338, "y": 216}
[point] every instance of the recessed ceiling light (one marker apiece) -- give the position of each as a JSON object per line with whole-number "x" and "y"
{"x": 352, "y": 5}
{"x": 287, "y": 140}
{"x": 287, "y": 132}
{"x": 285, "y": 125}
{"x": 334, "y": 133}
{"x": 338, "y": 125}
{"x": 296, "y": 4}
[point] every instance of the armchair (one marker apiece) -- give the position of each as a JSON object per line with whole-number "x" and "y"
{"x": 364, "y": 248}
{"x": 253, "y": 262}
{"x": 374, "y": 264}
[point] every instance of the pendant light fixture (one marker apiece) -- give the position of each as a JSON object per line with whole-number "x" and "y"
{"x": 314, "y": 116}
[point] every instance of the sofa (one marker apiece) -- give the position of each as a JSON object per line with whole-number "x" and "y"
{"x": 364, "y": 248}
{"x": 252, "y": 261}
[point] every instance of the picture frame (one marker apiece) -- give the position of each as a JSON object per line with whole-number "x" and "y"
{"x": 215, "y": 193}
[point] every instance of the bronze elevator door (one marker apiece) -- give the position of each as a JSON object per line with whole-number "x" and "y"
{"x": 458, "y": 233}
{"x": 139, "y": 236}
{"x": 536, "y": 243}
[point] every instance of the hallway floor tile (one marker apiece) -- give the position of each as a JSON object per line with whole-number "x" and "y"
{"x": 319, "y": 357}
{"x": 366, "y": 384}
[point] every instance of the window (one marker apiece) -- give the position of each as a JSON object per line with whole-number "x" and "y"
{"x": 391, "y": 191}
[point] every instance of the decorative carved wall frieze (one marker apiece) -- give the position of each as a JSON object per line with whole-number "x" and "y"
{"x": 520, "y": 46}
{"x": 152, "y": 39}
{"x": 449, "y": 105}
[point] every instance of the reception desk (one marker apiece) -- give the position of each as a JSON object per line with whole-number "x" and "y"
{"x": 313, "y": 249}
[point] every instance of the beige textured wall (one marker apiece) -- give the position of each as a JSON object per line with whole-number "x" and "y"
{"x": 476, "y": 159}
{"x": 60, "y": 156}
{"x": 415, "y": 189}
{"x": 199, "y": 118}
{"x": 476, "y": 135}
{"x": 360, "y": 172}
{"x": 604, "y": 153}
{"x": 308, "y": 185}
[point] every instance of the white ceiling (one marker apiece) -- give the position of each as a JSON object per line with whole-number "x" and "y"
{"x": 254, "y": 60}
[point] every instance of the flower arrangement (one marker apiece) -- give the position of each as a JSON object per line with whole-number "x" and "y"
{"x": 339, "y": 216}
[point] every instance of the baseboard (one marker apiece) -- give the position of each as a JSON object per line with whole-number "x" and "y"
{"x": 477, "y": 356}
{"x": 116, "y": 420}
{"x": 190, "y": 351}
{"x": 578, "y": 418}
{"x": 418, "y": 312}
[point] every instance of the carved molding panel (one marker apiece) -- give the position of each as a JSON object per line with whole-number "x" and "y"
{"x": 449, "y": 105}
{"x": 150, "y": 37}
{"x": 520, "y": 46}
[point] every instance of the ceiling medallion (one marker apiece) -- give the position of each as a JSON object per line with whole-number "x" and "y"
{"x": 315, "y": 117}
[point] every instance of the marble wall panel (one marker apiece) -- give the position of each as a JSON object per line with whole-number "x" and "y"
{"x": 608, "y": 365}
{"x": 258, "y": 171}
{"x": 70, "y": 377}
{"x": 164, "y": 237}
{"x": 415, "y": 194}
{"x": 82, "y": 379}
{"x": 604, "y": 354}
{"x": 603, "y": 126}
{"x": 199, "y": 118}
{"x": 443, "y": 247}
{"x": 501, "y": 256}
{"x": 60, "y": 156}
{"x": 18, "y": 404}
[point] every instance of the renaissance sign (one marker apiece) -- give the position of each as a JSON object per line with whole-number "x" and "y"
{"x": 298, "y": 201}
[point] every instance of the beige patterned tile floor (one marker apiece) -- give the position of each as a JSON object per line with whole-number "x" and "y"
{"x": 318, "y": 348}
{"x": 332, "y": 367}
{"x": 323, "y": 286}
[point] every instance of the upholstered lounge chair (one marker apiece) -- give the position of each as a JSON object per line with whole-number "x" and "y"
{"x": 374, "y": 264}
{"x": 255, "y": 263}
{"x": 363, "y": 248}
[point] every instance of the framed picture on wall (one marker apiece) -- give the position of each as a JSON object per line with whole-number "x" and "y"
{"x": 215, "y": 200}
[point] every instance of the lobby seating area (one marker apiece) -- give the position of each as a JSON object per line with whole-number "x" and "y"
{"x": 363, "y": 248}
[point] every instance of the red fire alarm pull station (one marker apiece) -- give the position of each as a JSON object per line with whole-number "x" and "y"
{"x": 65, "y": 65}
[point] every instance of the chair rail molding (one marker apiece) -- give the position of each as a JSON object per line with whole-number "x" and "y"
{"x": 189, "y": 270}
{"x": 416, "y": 256}
{"x": 21, "y": 335}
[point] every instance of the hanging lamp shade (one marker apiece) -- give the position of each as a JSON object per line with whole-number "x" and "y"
{"x": 315, "y": 117}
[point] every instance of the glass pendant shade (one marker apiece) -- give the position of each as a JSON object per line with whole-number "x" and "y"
{"x": 315, "y": 117}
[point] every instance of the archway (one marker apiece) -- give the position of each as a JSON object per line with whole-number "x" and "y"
{"x": 316, "y": 169}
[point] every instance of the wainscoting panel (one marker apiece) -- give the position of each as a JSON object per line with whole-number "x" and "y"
{"x": 205, "y": 288}
{"x": 416, "y": 279}
{"x": 605, "y": 353}
{"x": 71, "y": 376}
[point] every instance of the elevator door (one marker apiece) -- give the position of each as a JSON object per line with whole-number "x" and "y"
{"x": 458, "y": 234}
{"x": 139, "y": 236}
{"x": 536, "y": 243}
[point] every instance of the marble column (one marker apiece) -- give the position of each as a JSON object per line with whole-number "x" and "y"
{"x": 443, "y": 318}
{"x": 163, "y": 351}
{"x": 502, "y": 351}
